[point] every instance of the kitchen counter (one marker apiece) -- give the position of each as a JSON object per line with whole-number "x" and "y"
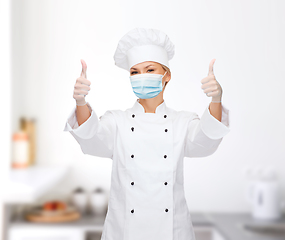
{"x": 229, "y": 225}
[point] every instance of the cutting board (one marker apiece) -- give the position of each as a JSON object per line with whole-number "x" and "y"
{"x": 70, "y": 214}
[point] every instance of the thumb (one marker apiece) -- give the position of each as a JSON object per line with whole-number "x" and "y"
{"x": 84, "y": 67}
{"x": 211, "y": 70}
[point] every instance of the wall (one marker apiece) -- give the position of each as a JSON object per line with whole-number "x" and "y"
{"x": 50, "y": 38}
{"x": 6, "y": 103}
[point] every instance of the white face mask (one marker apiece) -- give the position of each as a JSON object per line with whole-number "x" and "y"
{"x": 147, "y": 85}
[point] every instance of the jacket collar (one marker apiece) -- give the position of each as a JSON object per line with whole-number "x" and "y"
{"x": 138, "y": 108}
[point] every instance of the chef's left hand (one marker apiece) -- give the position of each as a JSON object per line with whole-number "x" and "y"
{"x": 211, "y": 86}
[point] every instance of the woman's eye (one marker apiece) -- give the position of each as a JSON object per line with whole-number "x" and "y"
{"x": 147, "y": 70}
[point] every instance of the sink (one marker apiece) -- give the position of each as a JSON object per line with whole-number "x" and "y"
{"x": 207, "y": 233}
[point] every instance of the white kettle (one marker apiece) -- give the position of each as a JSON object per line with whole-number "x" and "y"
{"x": 265, "y": 196}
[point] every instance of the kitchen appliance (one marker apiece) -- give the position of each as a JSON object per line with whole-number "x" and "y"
{"x": 98, "y": 201}
{"x": 80, "y": 199}
{"x": 265, "y": 196}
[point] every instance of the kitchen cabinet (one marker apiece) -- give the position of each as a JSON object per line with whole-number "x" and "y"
{"x": 88, "y": 227}
{"x": 44, "y": 233}
{"x": 207, "y": 226}
{"x": 30, "y": 232}
{"x": 26, "y": 186}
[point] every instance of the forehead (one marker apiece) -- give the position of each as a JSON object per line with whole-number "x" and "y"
{"x": 144, "y": 64}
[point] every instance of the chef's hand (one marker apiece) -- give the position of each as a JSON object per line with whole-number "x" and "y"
{"x": 82, "y": 86}
{"x": 211, "y": 86}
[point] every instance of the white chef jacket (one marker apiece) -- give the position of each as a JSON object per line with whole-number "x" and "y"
{"x": 146, "y": 200}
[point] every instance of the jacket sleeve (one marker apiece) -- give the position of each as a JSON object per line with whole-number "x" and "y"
{"x": 95, "y": 136}
{"x": 204, "y": 135}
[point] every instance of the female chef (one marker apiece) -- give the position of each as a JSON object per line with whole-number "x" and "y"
{"x": 147, "y": 142}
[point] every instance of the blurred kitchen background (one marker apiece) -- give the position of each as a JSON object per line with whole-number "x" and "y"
{"x": 50, "y": 190}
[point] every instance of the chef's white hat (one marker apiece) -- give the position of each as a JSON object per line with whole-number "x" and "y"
{"x": 142, "y": 44}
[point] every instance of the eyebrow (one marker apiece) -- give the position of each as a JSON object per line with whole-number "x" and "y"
{"x": 145, "y": 67}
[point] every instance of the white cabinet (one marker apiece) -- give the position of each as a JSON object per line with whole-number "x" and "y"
{"x": 86, "y": 228}
{"x": 45, "y": 233}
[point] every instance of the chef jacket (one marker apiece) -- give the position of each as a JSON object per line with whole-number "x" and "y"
{"x": 146, "y": 200}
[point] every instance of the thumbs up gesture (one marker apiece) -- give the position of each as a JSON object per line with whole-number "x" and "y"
{"x": 82, "y": 86}
{"x": 211, "y": 86}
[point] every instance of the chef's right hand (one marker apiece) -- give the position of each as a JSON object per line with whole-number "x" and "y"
{"x": 82, "y": 86}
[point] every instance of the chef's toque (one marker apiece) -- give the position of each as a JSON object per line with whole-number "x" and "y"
{"x": 143, "y": 44}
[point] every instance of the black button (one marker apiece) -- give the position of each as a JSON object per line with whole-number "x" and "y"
{"x": 133, "y": 115}
{"x": 165, "y": 116}
{"x": 165, "y": 183}
{"x": 132, "y": 211}
{"x": 166, "y": 210}
{"x": 132, "y": 183}
{"x": 165, "y": 156}
{"x": 133, "y": 128}
{"x": 165, "y": 130}
{"x": 132, "y": 156}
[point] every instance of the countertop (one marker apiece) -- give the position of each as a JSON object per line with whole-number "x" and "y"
{"x": 229, "y": 225}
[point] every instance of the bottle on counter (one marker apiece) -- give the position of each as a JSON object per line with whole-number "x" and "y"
{"x": 24, "y": 144}
{"x": 28, "y": 126}
{"x": 20, "y": 150}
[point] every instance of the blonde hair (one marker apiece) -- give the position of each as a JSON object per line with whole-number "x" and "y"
{"x": 166, "y": 69}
